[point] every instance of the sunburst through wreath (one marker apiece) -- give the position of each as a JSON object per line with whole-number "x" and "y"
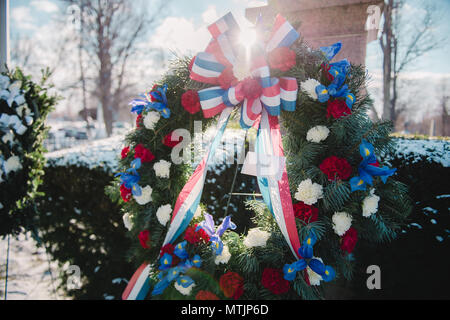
{"x": 340, "y": 187}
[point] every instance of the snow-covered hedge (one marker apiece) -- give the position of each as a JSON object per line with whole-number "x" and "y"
{"x": 83, "y": 227}
{"x": 105, "y": 153}
{"x": 412, "y": 151}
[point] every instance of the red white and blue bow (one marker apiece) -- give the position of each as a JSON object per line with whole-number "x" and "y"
{"x": 258, "y": 90}
{"x": 265, "y": 99}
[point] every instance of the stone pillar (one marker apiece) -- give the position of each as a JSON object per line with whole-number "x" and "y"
{"x": 324, "y": 22}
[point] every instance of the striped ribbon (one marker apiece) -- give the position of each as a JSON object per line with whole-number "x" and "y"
{"x": 139, "y": 284}
{"x": 277, "y": 94}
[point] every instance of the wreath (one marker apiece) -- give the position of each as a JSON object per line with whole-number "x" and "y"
{"x": 24, "y": 106}
{"x": 316, "y": 162}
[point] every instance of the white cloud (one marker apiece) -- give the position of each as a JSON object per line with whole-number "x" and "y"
{"x": 210, "y": 15}
{"x": 45, "y": 6}
{"x": 180, "y": 36}
{"x": 22, "y": 18}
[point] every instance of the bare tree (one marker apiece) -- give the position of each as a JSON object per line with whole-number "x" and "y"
{"x": 404, "y": 40}
{"x": 444, "y": 110}
{"x": 109, "y": 35}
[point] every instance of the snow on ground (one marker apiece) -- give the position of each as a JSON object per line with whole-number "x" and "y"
{"x": 29, "y": 276}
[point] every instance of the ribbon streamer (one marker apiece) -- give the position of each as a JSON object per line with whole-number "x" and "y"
{"x": 276, "y": 94}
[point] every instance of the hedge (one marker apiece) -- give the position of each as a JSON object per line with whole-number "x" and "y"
{"x": 81, "y": 226}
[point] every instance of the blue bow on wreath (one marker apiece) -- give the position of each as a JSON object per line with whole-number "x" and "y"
{"x": 367, "y": 168}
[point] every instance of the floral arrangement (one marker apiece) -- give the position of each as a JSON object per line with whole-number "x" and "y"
{"x": 318, "y": 202}
{"x": 24, "y": 106}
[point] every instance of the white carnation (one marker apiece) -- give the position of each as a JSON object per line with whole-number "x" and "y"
{"x": 341, "y": 222}
{"x": 162, "y": 168}
{"x": 127, "y": 221}
{"x": 184, "y": 291}
{"x": 145, "y": 197}
{"x": 12, "y": 164}
{"x": 8, "y": 137}
{"x": 163, "y": 214}
{"x": 309, "y": 86}
{"x": 256, "y": 238}
{"x": 151, "y": 119}
{"x": 224, "y": 257}
{"x": 314, "y": 278}
{"x": 309, "y": 192}
{"x": 370, "y": 204}
{"x": 317, "y": 134}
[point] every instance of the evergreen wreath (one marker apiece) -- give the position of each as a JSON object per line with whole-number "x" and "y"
{"x": 341, "y": 190}
{"x": 24, "y": 106}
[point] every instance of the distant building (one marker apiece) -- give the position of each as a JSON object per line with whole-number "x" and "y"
{"x": 324, "y": 22}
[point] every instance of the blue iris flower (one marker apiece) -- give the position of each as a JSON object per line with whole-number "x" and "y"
{"x": 331, "y": 51}
{"x": 169, "y": 274}
{"x": 306, "y": 251}
{"x": 185, "y": 281}
{"x": 367, "y": 169}
{"x": 130, "y": 181}
{"x": 135, "y": 164}
{"x": 145, "y": 103}
{"x": 165, "y": 262}
{"x": 180, "y": 250}
{"x": 339, "y": 71}
{"x": 214, "y": 234}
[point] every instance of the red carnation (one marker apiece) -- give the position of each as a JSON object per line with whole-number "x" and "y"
{"x": 326, "y": 72}
{"x": 250, "y": 88}
{"x": 206, "y": 295}
{"x": 232, "y": 285}
{"x": 124, "y": 152}
{"x": 190, "y": 101}
{"x": 272, "y": 279}
{"x": 227, "y": 78}
{"x": 338, "y": 109}
{"x": 194, "y": 237}
{"x": 141, "y": 152}
{"x": 169, "y": 248}
{"x": 168, "y": 141}
{"x": 349, "y": 240}
{"x": 144, "y": 239}
{"x": 282, "y": 58}
{"x": 139, "y": 120}
{"x": 306, "y": 212}
{"x": 125, "y": 193}
{"x": 336, "y": 168}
